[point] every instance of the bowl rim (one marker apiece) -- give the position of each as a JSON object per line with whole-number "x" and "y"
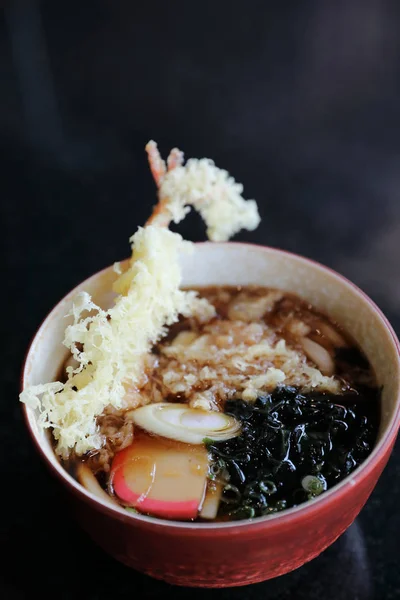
{"x": 288, "y": 516}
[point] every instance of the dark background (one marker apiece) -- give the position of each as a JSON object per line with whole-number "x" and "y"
{"x": 299, "y": 101}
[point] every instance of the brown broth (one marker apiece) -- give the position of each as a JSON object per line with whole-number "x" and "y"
{"x": 196, "y": 363}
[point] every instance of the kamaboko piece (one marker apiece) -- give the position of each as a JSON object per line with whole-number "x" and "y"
{"x": 161, "y": 477}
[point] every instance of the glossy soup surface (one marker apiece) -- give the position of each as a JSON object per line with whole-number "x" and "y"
{"x": 299, "y": 436}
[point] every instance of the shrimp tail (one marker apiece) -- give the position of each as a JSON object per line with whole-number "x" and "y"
{"x": 175, "y": 159}
{"x": 157, "y": 164}
{"x": 160, "y": 215}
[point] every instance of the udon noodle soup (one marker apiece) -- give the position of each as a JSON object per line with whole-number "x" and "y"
{"x": 215, "y": 404}
{"x": 281, "y": 445}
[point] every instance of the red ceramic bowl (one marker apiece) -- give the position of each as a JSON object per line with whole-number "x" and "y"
{"x": 231, "y": 554}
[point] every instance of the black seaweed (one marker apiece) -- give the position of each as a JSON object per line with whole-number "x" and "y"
{"x": 293, "y": 446}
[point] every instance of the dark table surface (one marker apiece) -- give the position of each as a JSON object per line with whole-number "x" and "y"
{"x": 300, "y": 101}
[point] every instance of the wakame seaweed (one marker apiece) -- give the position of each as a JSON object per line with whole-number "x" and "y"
{"x": 293, "y": 446}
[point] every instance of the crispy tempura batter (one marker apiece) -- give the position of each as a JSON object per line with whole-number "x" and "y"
{"x": 199, "y": 183}
{"x": 110, "y": 346}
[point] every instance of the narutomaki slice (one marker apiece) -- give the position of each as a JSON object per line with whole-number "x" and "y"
{"x": 161, "y": 477}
